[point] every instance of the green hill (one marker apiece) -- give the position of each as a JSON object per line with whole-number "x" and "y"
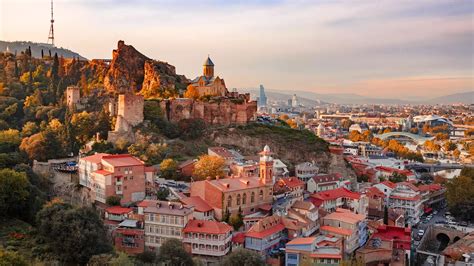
{"x": 36, "y": 48}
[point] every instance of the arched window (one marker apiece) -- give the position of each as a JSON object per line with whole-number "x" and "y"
{"x": 229, "y": 201}
{"x": 238, "y": 199}
{"x": 252, "y": 197}
{"x": 244, "y": 199}
{"x": 261, "y": 195}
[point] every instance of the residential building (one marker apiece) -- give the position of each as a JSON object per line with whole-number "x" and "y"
{"x": 387, "y": 172}
{"x": 113, "y": 175}
{"x": 186, "y": 168}
{"x": 347, "y": 225}
{"x": 207, "y": 238}
{"x": 163, "y": 220}
{"x": 376, "y": 203}
{"x": 129, "y": 237}
{"x": 234, "y": 193}
{"x": 117, "y": 214}
{"x": 386, "y": 187}
{"x": 305, "y": 216}
{"x": 330, "y": 200}
{"x": 265, "y": 235}
{"x": 406, "y": 197}
{"x": 202, "y": 210}
{"x": 323, "y": 182}
{"x": 291, "y": 187}
{"x": 279, "y": 169}
{"x": 432, "y": 195}
{"x": 318, "y": 250}
{"x": 306, "y": 170}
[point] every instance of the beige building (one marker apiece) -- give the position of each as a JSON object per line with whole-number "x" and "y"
{"x": 163, "y": 220}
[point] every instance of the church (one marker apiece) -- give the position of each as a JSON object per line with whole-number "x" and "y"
{"x": 247, "y": 193}
{"x": 208, "y": 84}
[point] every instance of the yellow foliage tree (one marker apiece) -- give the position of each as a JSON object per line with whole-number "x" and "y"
{"x": 209, "y": 166}
{"x": 191, "y": 93}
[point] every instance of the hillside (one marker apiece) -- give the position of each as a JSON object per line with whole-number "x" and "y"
{"x": 36, "y": 48}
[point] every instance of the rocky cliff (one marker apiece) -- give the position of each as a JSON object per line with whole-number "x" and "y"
{"x": 131, "y": 71}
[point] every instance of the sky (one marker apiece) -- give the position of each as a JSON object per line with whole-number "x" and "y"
{"x": 379, "y": 48}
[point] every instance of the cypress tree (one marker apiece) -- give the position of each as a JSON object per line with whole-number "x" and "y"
{"x": 42, "y": 54}
{"x": 385, "y": 215}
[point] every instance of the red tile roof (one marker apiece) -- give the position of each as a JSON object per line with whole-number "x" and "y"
{"x": 199, "y": 204}
{"x": 394, "y": 170}
{"x": 373, "y": 191}
{"x": 96, "y": 158}
{"x": 336, "y": 230}
{"x": 102, "y": 172}
{"x": 335, "y": 194}
{"x": 389, "y": 184}
{"x": 292, "y": 182}
{"x": 301, "y": 241}
{"x": 417, "y": 197}
{"x": 120, "y": 160}
{"x": 408, "y": 184}
{"x": 270, "y": 231}
{"x": 388, "y": 232}
{"x": 207, "y": 227}
{"x": 326, "y": 178}
{"x": 345, "y": 215}
{"x": 239, "y": 238}
{"x": 146, "y": 203}
{"x": 118, "y": 210}
{"x": 431, "y": 187}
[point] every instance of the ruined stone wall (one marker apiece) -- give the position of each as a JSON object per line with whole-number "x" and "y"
{"x": 224, "y": 112}
{"x": 130, "y": 107}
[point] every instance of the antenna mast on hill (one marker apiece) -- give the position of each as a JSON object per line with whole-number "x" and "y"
{"x": 51, "y": 29}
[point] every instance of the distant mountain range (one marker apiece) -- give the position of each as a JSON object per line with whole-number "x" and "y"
{"x": 19, "y": 46}
{"x": 347, "y": 98}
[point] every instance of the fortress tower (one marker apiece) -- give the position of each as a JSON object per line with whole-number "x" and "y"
{"x": 208, "y": 68}
{"x": 73, "y": 96}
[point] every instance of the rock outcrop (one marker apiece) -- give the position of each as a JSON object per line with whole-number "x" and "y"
{"x": 126, "y": 70}
{"x": 131, "y": 71}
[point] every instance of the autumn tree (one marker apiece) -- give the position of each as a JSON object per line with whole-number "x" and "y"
{"x": 192, "y": 93}
{"x": 14, "y": 192}
{"x": 168, "y": 168}
{"x": 209, "y": 166}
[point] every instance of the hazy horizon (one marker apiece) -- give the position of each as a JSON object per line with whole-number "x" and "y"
{"x": 372, "y": 48}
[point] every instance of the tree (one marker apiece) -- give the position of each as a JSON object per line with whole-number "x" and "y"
{"x": 14, "y": 192}
{"x": 39, "y": 146}
{"x": 237, "y": 220}
{"x": 241, "y": 257}
{"x": 385, "y": 215}
{"x": 74, "y": 235}
{"x": 168, "y": 168}
{"x": 460, "y": 194}
{"x": 397, "y": 177}
{"x": 121, "y": 260}
{"x": 113, "y": 200}
{"x": 29, "y": 128}
{"x": 172, "y": 253}
{"x": 191, "y": 92}
{"x": 162, "y": 193}
{"x": 456, "y": 153}
{"x": 226, "y": 216}
{"x": 11, "y": 258}
{"x": 191, "y": 129}
{"x": 209, "y": 166}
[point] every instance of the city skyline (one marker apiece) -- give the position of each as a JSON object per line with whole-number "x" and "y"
{"x": 383, "y": 49}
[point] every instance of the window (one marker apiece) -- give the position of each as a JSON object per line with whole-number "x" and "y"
{"x": 292, "y": 256}
{"x": 229, "y": 201}
{"x": 238, "y": 199}
{"x": 244, "y": 199}
{"x": 252, "y": 197}
{"x": 261, "y": 195}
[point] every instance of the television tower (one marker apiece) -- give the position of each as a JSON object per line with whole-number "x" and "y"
{"x": 51, "y": 29}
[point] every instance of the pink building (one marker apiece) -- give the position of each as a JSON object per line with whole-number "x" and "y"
{"x": 113, "y": 175}
{"x": 207, "y": 238}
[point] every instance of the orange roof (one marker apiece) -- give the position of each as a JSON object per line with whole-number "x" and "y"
{"x": 345, "y": 215}
{"x": 146, "y": 203}
{"x": 96, "y": 158}
{"x": 417, "y": 197}
{"x": 336, "y": 230}
{"x": 120, "y": 160}
{"x": 102, "y": 172}
{"x": 394, "y": 170}
{"x": 233, "y": 184}
{"x": 373, "y": 191}
{"x": 292, "y": 182}
{"x": 262, "y": 234}
{"x": 302, "y": 241}
{"x": 332, "y": 194}
{"x": 207, "y": 227}
{"x": 118, "y": 210}
{"x": 199, "y": 204}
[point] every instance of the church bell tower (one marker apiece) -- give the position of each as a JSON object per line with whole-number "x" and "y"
{"x": 208, "y": 68}
{"x": 266, "y": 166}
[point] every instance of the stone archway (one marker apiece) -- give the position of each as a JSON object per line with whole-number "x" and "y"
{"x": 444, "y": 241}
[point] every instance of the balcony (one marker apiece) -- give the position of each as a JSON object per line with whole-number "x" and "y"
{"x": 118, "y": 192}
{"x": 210, "y": 252}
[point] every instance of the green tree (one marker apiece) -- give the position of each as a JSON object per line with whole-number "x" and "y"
{"x": 14, "y": 192}
{"x": 242, "y": 257}
{"x": 121, "y": 260}
{"x": 237, "y": 220}
{"x": 162, "y": 193}
{"x": 113, "y": 200}
{"x": 11, "y": 258}
{"x": 73, "y": 234}
{"x": 172, "y": 253}
{"x": 397, "y": 177}
{"x": 460, "y": 194}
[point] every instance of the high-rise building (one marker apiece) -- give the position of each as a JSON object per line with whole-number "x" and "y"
{"x": 294, "y": 101}
{"x": 262, "y": 99}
